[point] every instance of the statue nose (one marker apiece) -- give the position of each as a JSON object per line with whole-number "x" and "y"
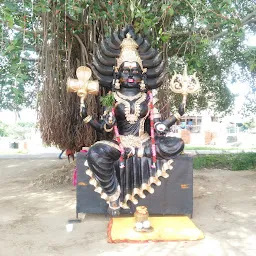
{"x": 130, "y": 74}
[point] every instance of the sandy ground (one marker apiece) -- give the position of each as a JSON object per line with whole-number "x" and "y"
{"x": 33, "y": 219}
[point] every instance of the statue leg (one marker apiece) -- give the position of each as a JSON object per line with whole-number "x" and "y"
{"x": 166, "y": 147}
{"x": 101, "y": 158}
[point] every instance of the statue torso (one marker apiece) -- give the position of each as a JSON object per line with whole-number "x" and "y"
{"x": 131, "y": 113}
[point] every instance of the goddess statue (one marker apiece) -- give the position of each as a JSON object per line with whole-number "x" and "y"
{"x": 124, "y": 168}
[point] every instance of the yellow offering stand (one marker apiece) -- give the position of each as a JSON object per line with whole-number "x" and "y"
{"x": 164, "y": 229}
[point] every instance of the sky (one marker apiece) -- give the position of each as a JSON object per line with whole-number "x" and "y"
{"x": 26, "y": 115}
{"x": 251, "y": 41}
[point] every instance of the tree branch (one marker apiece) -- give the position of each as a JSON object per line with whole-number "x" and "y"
{"x": 30, "y": 59}
{"x": 103, "y": 6}
{"x": 83, "y": 48}
{"x": 248, "y": 19}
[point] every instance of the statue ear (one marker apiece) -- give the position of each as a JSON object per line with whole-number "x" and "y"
{"x": 115, "y": 82}
{"x": 145, "y": 77}
{"x": 116, "y": 72}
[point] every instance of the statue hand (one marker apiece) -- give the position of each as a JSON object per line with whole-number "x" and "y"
{"x": 129, "y": 152}
{"x": 83, "y": 112}
{"x": 181, "y": 110}
{"x": 109, "y": 119}
{"x": 160, "y": 128}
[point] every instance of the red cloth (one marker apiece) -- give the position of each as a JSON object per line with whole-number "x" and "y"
{"x": 69, "y": 152}
{"x": 74, "y": 180}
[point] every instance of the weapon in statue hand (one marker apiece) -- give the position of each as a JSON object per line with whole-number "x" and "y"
{"x": 184, "y": 84}
{"x": 83, "y": 85}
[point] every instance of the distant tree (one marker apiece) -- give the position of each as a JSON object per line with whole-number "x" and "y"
{"x": 3, "y": 129}
{"x": 250, "y": 124}
{"x": 249, "y": 107}
{"x": 207, "y": 35}
{"x": 18, "y": 83}
{"x": 20, "y": 130}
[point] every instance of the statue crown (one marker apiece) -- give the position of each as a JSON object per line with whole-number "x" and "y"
{"x": 129, "y": 51}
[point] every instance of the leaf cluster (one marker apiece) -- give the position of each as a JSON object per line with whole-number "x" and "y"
{"x": 18, "y": 72}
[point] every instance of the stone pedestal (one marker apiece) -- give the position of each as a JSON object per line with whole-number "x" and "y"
{"x": 173, "y": 197}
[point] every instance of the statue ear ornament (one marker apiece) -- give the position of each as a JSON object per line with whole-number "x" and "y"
{"x": 142, "y": 85}
{"x": 115, "y": 69}
{"x": 144, "y": 78}
{"x": 117, "y": 84}
{"x": 144, "y": 71}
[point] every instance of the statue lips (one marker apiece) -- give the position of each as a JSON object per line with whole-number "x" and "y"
{"x": 130, "y": 80}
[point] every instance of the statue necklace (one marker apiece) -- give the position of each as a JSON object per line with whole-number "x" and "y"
{"x": 140, "y": 97}
{"x": 130, "y": 98}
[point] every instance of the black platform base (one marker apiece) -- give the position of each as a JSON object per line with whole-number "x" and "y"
{"x": 173, "y": 197}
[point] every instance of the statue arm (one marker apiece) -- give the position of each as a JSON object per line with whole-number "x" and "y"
{"x": 96, "y": 124}
{"x": 104, "y": 124}
{"x": 163, "y": 126}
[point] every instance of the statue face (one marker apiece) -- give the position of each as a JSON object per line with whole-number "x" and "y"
{"x": 130, "y": 74}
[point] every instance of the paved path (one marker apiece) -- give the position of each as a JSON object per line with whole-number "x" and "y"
{"x": 33, "y": 219}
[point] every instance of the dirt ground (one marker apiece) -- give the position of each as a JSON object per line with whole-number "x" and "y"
{"x": 34, "y": 218}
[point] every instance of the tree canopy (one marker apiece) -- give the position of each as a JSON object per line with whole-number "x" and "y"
{"x": 44, "y": 41}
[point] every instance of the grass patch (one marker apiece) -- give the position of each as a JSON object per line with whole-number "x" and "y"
{"x": 235, "y": 162}
{"x": 187, "y": 147}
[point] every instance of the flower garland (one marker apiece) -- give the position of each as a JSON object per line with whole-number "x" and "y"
{"x": 152, "y": 130}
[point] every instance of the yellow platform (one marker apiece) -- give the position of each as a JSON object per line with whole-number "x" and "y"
{"x": 165, "y": 229}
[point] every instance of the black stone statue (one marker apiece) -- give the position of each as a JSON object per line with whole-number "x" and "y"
{"x": 124, "y": 168}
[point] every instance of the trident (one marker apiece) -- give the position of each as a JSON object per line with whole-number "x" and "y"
{"x": 184, "y": 84}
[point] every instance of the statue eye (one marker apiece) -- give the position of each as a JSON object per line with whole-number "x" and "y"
{"x": 125, "y": 71}
{"x": 135, "y": 71}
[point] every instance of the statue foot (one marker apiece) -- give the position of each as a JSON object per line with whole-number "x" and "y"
{"x": 114, "y": 208}
{"x": 113, "y": 212}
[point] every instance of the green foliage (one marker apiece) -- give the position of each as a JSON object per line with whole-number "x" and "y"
{"x": 249, "y": 107}
{"x": 21, "y": 130}
{"x": 107, "y": 100}
{"x": 235, "y": 162}
{"x": 3, "y": 129}
{"x": 26, "y": 125}
{"x": 18, "y": 72}
{"x": 18, "y": 131}
{"x": 250, "y": 124}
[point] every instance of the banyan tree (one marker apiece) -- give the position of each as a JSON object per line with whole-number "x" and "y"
{"x": 64, "y": 49}
{"x": 185, "y": 33}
